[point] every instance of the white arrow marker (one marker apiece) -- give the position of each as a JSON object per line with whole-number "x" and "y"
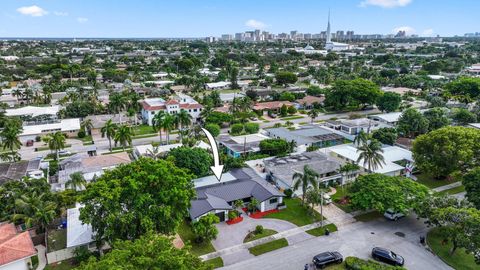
{"x": 217, "y": 169}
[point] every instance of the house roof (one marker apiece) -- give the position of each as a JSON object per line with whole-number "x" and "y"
{"x": 77, "y": 233}
{"x": 305, "y": 135}
{"x": 242, "y": 183}
{"x": 248, "y": 143}
{"x": 309, "y": 100}
{"x": 17, "y": 170}
{"x": 33, "y": 111}
{"x": 271, "y": 105}
{"x": 62, "y": 125}
{"x": 14, "y": 246}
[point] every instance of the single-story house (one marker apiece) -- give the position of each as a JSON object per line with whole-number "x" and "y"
{"x": 34, "y": 111}
{"x": 239, "y": 184}
{"x": 396, "y": 158}
{"x": 70, "y": 127}
{"x": 236, "y": 146}
{"x": 149, "y": 150}
{"x": 308, "y": 102}
{"x": 78, "y": 233}
{"x": 310, "y": 135}
{"x": 280, "y": 170}
{"x": 387, "y": 118}
{"x": 273, "y": 106}
{"x": 20, "y": 169}
{"x": 16, "y": 249}
{"x": 402, "y": 90}
{"x": 352, "y": 126}
{"x": 217, "y": 85}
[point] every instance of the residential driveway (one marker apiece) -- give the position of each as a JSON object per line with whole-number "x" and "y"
{"x": 336, "y": 215}
{"x": 232, "y": 235}
{"x": 356, "y": 239}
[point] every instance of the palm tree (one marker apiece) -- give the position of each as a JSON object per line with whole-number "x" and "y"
{"x": 76, "y": 181}
{"x": 158, "y": 120}
{"x": 307, "y": 178}
{"x": 35, "y": 210}
{"x": 9, "y": 136}
{"x": 55, "y": 141}
{"x": 123, "y": 136}
{"x": 371, "y": 155}
{"x": 252, "y": 206}
{"x": 109, "y": 130}
{"x": 155, "y": 153}
{"x": 313, "y": 114}
{"x": 183, "y": 119}
{"x": 168, "y": 125}
{"x": 87, "y": 125}
{"x": 361, "y": 138}
{"x": 117, "y": 104}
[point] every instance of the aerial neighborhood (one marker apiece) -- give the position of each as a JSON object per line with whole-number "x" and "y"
{"x": 248, "y": 151}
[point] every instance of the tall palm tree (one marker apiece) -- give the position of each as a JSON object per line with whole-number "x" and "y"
{"x": 109, "y": 131}
{"x": 307, "y": 178}
{"x": 9, "y": 136}
{"x": 158, "y": 120}
{"x": 183, "y": 119}
{"x": 116, "y": 104}
{"x": 123, "y": 136}
{"x": 361, "y": 138}
{"x": 313, "y": 114}
{"x": 371, "y": 154}
{"x": 76, "y": 181}
{"x": 55, "y": 141}
{"x": 35, "y": 210}
{"x": 87, "y": 125}
{"x": 168, "y": 125}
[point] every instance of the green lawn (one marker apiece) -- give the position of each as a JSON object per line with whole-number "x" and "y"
{"x": 143, "y": 129}
{"x": 340, "y": 194}
{"x": 459, "y": 260}
{"x": 63, "y": 265}
{"x": 295, "y": 213}
{"x": 336, "y": 266}
{"x": 369, "y": 216}
{"x": 452, "y": 191}
{"x": 267, "y": 247}
{"x": 57, "y": 240}
{"x": 185, "y": 232}
{"x": 321, "y": 231}
{"x": 430, "y": 182}
{"x": 215, "y": 262}
{"x": 293, "y": 117}
{"x": 251, "y": 237}
{"x": 87, "y": 138}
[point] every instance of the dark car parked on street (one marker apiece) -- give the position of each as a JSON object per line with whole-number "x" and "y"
{"x": 387, "y": 256}
{"x": 326, "y": 258}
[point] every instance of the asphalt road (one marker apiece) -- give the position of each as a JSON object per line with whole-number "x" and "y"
{"x": 356, "y": 239}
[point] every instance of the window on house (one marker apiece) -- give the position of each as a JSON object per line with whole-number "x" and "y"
{"x": 274, "y": 200}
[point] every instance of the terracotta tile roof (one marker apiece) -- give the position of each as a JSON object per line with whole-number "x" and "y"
{"x": 271, "y": 105}
{"x": 309, "y": 100}
{"x": 13, "y": 246}
{"x": 191, "y": 106}
{"x": 172, "y": 102}
{"x": 104, "y": 161}
{"x": 149, "y": 107}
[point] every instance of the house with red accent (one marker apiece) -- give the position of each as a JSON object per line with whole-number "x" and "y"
{"x": 152, "y": 106}
{"x": 15, "y": 248}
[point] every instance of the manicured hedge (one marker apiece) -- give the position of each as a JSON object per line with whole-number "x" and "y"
{"x": 354, "y": 263}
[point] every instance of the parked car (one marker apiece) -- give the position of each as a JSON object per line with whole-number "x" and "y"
{"x": 323, "y": 259}
{"x": 64, "y": 152}
{"x": 393, "y": 215}
{"x": 387, "y": 256}
{"x": 327, "y": 199}
{"x": 254, "y": 118}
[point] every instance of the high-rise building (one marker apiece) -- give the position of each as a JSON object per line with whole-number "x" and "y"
{"x": 226, "y": 37}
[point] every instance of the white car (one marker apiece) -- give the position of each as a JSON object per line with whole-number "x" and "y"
{"x": 393, "y": 215}
{"x": 327, "y": 199}
{"x": 64, "y": 153}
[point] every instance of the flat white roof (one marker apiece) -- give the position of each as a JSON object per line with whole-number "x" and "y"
{"x": 390, "y": 155}
{"x": 475, "y": 125}
{"x": 33, "y": 111}
{"x": 249, "y": 138}
{"x": 218, "y": 84}
{"x": 148, "y": 148}
{"x": 212, "y": 180}
{"x": 388, "y": 117}
{"x": 77, "y": 233}
{"x": 64, "y": 125}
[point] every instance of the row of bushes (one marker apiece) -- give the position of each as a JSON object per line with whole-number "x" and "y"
{"x": 354, "y": 263}
{"x": 247, "y": 128}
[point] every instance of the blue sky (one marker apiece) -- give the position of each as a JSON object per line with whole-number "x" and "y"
{"x": 199, "y": 18}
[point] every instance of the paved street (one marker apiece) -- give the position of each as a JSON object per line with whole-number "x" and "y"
{"x": 356, "y": 239}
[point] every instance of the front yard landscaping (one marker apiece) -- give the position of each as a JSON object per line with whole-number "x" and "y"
{"x": 369, "y": 216}
{"x": 459, "y": 260}
{"x": 321, "y": 230}
{"x": 452, "y": 191}
{"x": 215, "y": 262}
{"x": 57, "y": 240}
{"x": 254, "y": 236}
{"x": 431, "y": 182}
{"x": 341, "y": 200}
{"x": 295, "y": 213}
{"x": 267, "y": 247}
{"x": 63, "y": 265}
{"x": 185, "y": 232}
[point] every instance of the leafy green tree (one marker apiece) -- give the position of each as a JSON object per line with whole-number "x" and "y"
{"x": 371, "y": 154}
{"x": 283, "y": 110}
{"x": 251, "y": 128}
{"x": 109, "y": 130}
{"x": 464, "y": 89}
{"x": 357, "y": 92}
{"x": 150, "y": 251}
{"x": 285, "y": 77}
{"x": 204, "y": 229}
{"x": 35, "y": 210}
{"x": 287, "y": 96}
{"x": 412, "y": 123}
{"x": 313, "y": 114}
{"x": 437, "y": 118}
{"x": 214, "y": 129}
{"x": 389, "y": 102}
{"x": 385, "y": 135}
{"x": 252, "y": 205}
{"x": 471, "y": 181}
{"x": 236, "y": 129}
{"x": 55, "y": 141}
{"x": 144, "y": 196}
{"x": 382, "y": 192}
{"x": 196, "y": 160}
{"x": 447, "y": 150}
{"x": 464, "y": 116}
{"x": 274, "y": 147}
{"x": 309, "y": 177}
{"x": 123, "y": 135}
{"x": 76, "y": 181}
{"x": 218, "y": 118}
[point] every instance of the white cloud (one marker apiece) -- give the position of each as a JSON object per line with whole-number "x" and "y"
{"x": 60, "y": 13}
{"x": 82, "y": 19}
{"x": 34, "y": 11}
{"x": 385, "y": 3}
{"x": 255, "y": 24}
{"x": 428, "y": 32}
{"x": 408, "y": 30}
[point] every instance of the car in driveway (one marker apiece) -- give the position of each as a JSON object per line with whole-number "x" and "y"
{"x": 64, "y": 153}
{"x": 393, "y": 215}
{"x": 330, "y": 257}
{"x": 387, "y": 256}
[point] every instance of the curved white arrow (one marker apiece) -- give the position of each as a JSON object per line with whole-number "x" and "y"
{"x": 217, "y": 169}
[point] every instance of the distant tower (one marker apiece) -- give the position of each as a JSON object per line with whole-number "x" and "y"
{"x": 329, "y": 34}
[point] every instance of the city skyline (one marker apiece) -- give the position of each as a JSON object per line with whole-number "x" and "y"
{"x": 163, "y": 19}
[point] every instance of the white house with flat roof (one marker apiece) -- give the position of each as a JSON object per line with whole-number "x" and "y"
{"x": 152, "y": 106}
{"x": 70, "y": 127}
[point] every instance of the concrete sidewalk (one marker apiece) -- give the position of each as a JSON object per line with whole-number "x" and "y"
{"x": 42, "y": 258}
{"x": 449, "y": 186}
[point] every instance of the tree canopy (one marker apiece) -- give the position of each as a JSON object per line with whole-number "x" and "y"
{"x": 389, "y": 102}
{"x": 196, "y": 160}
{"x": 471, "y": 181}
{"x": 412, "y": 123}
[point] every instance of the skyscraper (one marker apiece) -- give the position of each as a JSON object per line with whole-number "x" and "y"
{"x": 329, "y": 34}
